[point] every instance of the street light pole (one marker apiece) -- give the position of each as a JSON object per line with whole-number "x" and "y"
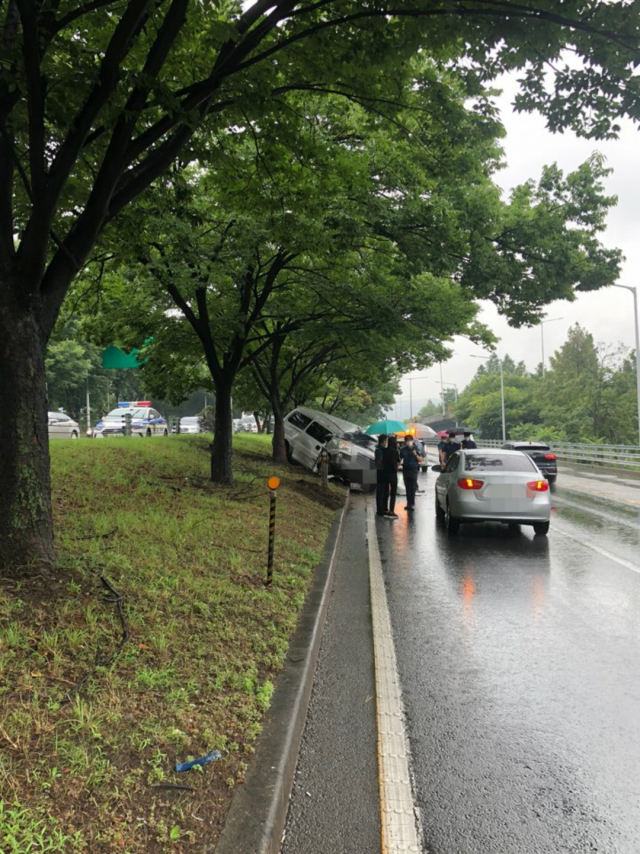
{"x": 504, "y": 420}
{"x": 411, "y": 379}
{"x": 542, "y": 323}
{"x": 634, "y": 291}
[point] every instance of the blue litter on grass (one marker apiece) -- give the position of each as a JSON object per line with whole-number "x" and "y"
{"x": 187, "y": 766}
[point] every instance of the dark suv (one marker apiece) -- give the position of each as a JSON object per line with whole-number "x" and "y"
{"x": 541, "y": 454}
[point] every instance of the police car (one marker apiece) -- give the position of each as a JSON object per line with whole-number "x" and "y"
{"x": 145, "y": 421}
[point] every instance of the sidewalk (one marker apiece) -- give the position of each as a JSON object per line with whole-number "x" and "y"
{"x": 335, "y": 806}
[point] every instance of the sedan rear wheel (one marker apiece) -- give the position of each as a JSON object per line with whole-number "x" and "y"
{"x": 440, "y": 514}
{"x": 541, "y": 528}
{"x": 74, "y": 435}
{"x": 453, "y": 524}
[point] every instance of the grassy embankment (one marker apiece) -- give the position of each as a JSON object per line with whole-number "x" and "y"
{"x": 88, "y": 765}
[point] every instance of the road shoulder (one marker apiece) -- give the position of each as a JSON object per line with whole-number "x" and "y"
{"x": 335, "y": 806}
{"x": 257, "y": 815}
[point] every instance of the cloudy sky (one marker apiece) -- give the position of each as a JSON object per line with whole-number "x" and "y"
{"x": 608, "y": 313}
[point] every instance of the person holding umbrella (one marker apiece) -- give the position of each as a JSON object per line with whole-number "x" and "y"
{"x": 450, "y": 447}
{"x": 382, "y": 481}
{"x": 391, "y": 461}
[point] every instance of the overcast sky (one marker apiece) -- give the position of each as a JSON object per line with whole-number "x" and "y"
{"x": 607, "y": 313}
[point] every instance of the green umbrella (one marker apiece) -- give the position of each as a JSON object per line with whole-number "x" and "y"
{"x": 386, "y": 427}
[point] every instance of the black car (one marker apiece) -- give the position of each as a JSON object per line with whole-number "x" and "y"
{"x": 541, "y": 454}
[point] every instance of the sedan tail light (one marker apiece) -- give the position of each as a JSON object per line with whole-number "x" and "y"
{"x": 470, "y": 483}
{"x": 549, "y": 456}
{"x": 538, "y": 485}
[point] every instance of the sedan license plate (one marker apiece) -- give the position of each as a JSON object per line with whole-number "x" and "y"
{"x": 504, "y": 490}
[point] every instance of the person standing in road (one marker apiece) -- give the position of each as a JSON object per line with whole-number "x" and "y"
{"x": 391, "y": 461}
{"x": 417, "y": 444}
{"x": 410, "y": 467}
{"x": 382, "y": 481}
{"x": 467, "y": 443}
{"x": 450, "y": 447}
{"x": 441, "y": 449}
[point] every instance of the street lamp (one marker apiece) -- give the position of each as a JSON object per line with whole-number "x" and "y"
{"x": 442, "y": 385}
{"x": 542, "y": 322}
{"x": 504, "y": 420}
{"x": 411, "y": 379}
{"x": 634, "y": 291}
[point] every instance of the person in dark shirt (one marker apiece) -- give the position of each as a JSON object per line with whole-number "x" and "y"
{"x": 450, "y": 447}
{"x": 441, "y": 449}
{"x": 410, "y": 467}
{"x": 468, "y": 443}
{"x": 382, "y": 481}
{"x": 391, "y": 461}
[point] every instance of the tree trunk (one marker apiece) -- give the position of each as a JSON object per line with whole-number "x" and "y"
{"x": 26, "y": 524}
{"x": 221, "y": 464}
{"x": 278, "y": 443}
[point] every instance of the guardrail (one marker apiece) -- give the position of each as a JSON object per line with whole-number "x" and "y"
{"x": 613, "y": 456}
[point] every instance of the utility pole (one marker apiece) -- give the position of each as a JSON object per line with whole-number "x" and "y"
{"x": 634, "y": 291}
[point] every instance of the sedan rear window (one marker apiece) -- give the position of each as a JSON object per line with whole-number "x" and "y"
{"x": 494, "y": 462}
{"x": 527, "y": 448}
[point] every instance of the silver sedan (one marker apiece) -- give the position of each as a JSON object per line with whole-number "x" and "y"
{"x": 492, "y": 486}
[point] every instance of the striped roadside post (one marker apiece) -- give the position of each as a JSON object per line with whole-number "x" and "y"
{"x": 273, "y": 483}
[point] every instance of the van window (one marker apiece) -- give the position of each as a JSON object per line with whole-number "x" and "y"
{"x": 319, "y": 433}
{"x": 298, "y": 420}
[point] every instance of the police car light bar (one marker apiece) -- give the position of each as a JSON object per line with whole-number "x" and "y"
{"x": 127, "y": 404}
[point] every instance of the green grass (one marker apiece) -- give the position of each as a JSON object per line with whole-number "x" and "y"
{"x": 206, "y": 642}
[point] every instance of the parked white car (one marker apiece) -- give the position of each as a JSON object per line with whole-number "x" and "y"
{"x": 487, "y": 485}
{"x": 190, "y": 424}
{"x": 62, "y": 427}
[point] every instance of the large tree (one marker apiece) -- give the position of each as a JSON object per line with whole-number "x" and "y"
{"x": 97, "y": 101}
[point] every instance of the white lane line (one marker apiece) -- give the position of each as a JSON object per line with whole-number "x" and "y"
{"x": 600, "y": 551}
{"x": 399, "y": 831}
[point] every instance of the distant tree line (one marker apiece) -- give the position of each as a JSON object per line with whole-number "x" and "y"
{"x": 587, "y": 394}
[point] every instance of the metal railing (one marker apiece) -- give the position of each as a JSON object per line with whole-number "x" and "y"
{"x": 613, "y": 456}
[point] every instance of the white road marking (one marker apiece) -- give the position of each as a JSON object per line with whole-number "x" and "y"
{"x": 397, "y": 809}
{"x": 634, "y": 567}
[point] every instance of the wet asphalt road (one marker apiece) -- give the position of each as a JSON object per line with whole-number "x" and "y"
{"x": 519, "y": 661}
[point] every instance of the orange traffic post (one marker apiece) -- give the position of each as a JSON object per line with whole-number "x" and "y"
{"x": 273, "y": 483}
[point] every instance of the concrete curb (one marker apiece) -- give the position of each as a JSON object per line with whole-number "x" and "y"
{"x": 258, "y": 813}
